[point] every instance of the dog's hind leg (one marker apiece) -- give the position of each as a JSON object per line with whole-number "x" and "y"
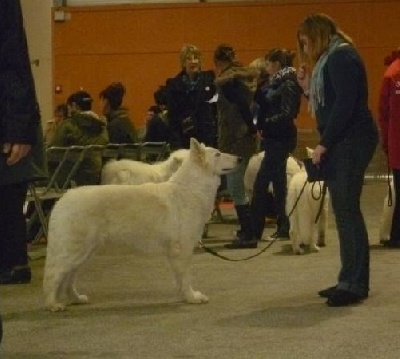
{"x": 180, "y": 259}
{"x": 54, "y": 286}
{"x": 72, "y": 294}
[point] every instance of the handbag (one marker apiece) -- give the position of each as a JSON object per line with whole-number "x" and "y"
{"x": 315, "y": 172}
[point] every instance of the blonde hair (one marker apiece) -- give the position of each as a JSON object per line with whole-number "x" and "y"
{"x": 319, "y": 29}
{"x": 187, "y": 51}
{"x": 258, "y": 64}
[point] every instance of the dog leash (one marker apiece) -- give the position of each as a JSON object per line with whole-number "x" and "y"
{"x": 316, "y": 198}
{"x": 216, "y": 254}
{"x": 298, "y": 198}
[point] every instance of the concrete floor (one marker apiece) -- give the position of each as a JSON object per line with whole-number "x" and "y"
{"x": 266, "y": 307}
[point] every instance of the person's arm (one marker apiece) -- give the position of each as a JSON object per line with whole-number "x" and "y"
{"x": 60, "y": 138}
{"x": 290, "y": 103}
{"x": 19, "y": 108}
{"x": 235, "y": 93}
{"x": 383, "y": 112}
{"x": 345, "y": 75}
{"x": 20, "y": 113}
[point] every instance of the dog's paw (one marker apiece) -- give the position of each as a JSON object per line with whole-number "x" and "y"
{"x": 196, "y": 297}
{"x": 298, "y": 250}
{"x": 81, "y": 299}
{"x": 56, "y": 307}
{"x": 315, "y": 249}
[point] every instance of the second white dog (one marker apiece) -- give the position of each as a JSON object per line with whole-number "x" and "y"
{"x": 292, "y": 167}
{"x": 136, "y": 172}
{"x": 302, "y": 197}
{"x": 165, "y": 218}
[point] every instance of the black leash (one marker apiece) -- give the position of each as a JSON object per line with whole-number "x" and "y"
{"x": 216, "y": 254}
{"x": 321, "y": 204}
{"x": 321, "y": 196}
{"x": 298, "y": 198}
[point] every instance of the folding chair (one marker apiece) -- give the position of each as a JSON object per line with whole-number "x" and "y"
{"x": 65, "y": 161}
{"x": 111, "y": 152}
{"x": 131, "y": 151}
{"x": 154, "y": 151}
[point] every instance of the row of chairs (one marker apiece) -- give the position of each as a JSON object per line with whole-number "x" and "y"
{"x": 59, "y": 158}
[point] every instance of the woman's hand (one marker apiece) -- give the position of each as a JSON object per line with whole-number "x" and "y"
{"x": 318, "y": 154}
{"x": 303, "y": 78}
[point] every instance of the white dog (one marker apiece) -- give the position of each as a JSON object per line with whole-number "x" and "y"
{"x": 292, "y": 167}
{"x": 302, "y": 196}
{"x": 137, "y": 172}
{"x": 387, "y": 216}
{"x": 165, "y": 217}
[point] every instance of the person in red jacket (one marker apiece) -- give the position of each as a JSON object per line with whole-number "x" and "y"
{"x": 389, "y": 122}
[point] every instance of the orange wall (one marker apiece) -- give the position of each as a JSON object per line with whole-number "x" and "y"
{"x": 139, "y": 45}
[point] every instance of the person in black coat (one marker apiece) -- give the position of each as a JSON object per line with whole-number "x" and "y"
{"x": 156, "y": 128}
{"x": 278, "y": 106}
{"x": 21, "y": 142}
{"x": 188, "y": 95}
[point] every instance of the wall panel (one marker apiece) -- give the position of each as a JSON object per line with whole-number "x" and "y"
{"x": 139, "y": 44}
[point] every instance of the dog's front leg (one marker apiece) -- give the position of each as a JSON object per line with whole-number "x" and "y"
{"x": 180, "y": 260}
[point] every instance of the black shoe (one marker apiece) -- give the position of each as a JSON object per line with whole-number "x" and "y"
{"x": 343, "y": 298}
{"x": 279, "y": 236}
{"x": 16, "y": 276}
{"x": 241, "y": 244}
{"x": 326, "y": 293}
{"x": 390, "y": 244}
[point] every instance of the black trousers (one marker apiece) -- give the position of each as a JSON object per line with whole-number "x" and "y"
{"x": 13, "y": 249}
{"x": 395, "y": 231}
{"x": 272, "y": 170}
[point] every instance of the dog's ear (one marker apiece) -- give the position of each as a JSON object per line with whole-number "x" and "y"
{"x": 196, "y": 146}
{"x": 194, "y": 143}
{"x": 197, "y": 150}
{"x": 310, "y": 152}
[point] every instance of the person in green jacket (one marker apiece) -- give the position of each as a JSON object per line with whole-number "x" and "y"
{"x": 21, "y": 142}
{"x": 119, "y": 125}
{"x": 83, "y": 128}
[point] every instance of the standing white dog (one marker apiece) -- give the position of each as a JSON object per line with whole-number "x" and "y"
{"x": 292, "y": 167}
{"x": 136, "y": 172}
{"x": 166, "y": 217}
{"x": 387, "y": 216}
{"x": 302, "y": 196}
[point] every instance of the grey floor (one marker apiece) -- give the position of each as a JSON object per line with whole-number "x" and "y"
{"x": 266, "y": 307}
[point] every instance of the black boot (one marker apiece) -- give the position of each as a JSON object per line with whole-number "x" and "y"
{"x": 245, "y": 238}
{"x": 282, "y": 232}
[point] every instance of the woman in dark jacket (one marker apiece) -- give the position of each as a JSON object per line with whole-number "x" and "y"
{"x": 338, "y": 98}
{"x": 188, "y": 95}
{"x": 21, "y": 142}
{"x": 236, "y": 131}
{"x": 279, "y": 103}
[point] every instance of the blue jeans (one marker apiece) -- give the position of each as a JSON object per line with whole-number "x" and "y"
{"x": 349, "y": 160}
{"x": 235, "y": 183}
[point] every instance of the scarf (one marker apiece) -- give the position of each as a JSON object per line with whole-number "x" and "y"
{"x": 317, "y": 98}
{"x": 281, "y": 74}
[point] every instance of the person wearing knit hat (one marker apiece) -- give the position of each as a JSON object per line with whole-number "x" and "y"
{"x": 389, "y": 123}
